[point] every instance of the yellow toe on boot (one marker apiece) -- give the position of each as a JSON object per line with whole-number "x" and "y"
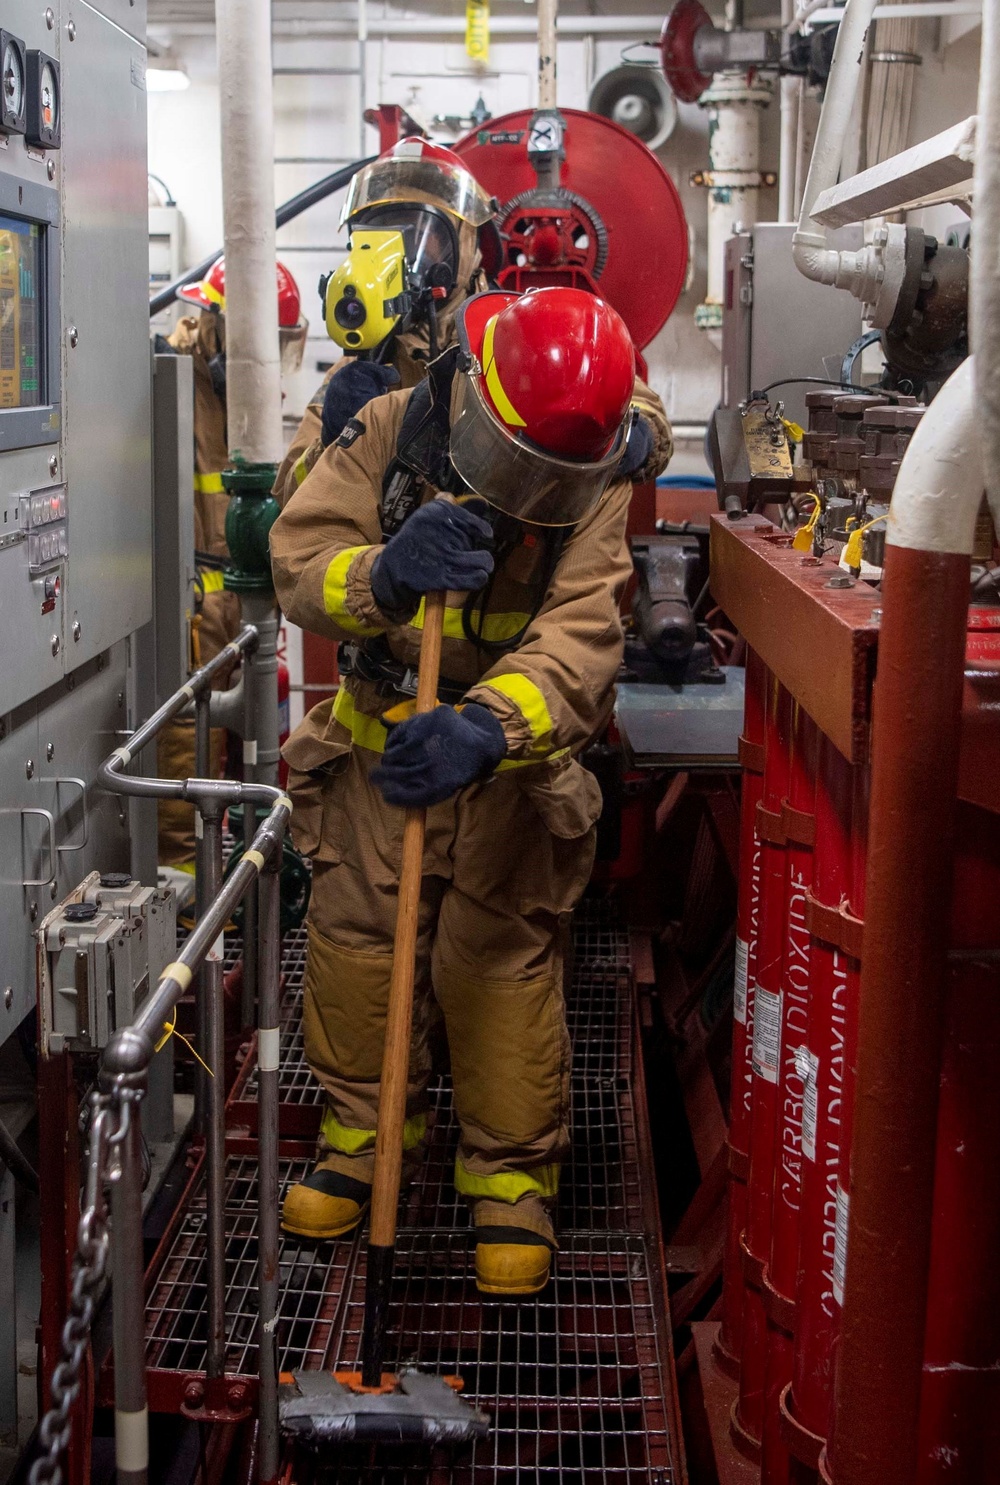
{"x": 511, "y": 1262}
{"x": 325, "y": 1205}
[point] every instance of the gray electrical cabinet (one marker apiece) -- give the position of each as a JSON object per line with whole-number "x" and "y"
{"x": 76, "y": 556}
{"x": 775, "y": 322}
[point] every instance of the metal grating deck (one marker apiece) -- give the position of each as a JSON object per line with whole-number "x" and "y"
{"x": 578, "y": 1382}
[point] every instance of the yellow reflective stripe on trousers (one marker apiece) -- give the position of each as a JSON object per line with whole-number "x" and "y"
{"x": 208, "y": 484}
{"x": 212, "y": 580}
{"x": 366, "y": 732}
{"x": 508, "y": 1185}
{"x": 533, "y": 707}
{"x": 496, "y": 627}
{"x": 335, "y": 592}
{"x": 356, "y": 1141}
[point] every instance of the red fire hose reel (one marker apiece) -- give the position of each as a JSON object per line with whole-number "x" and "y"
{"x": 613, "y": 225}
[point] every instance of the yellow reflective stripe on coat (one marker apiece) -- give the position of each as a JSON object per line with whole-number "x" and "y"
{"x": 508, "y": 1185}
{"x": 208, "y": 484}
{"x": 335, "y": 592}
{"x": 366, "y": 732}
{"x": 354, "y": 1141}
{"x": 495, "y": 627}
{"x": 301, "y": 468}
{"x": 533, "y": 707}
{"x": 212, "y": 580}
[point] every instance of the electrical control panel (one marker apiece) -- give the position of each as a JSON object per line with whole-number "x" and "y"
{"x": 76, "y": 529}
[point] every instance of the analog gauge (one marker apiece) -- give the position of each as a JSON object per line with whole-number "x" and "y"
{"x": 13, "y": 84}
{"x": 43, "y": 102}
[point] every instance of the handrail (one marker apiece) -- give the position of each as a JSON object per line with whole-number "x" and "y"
{"x": 123, "y": 1079}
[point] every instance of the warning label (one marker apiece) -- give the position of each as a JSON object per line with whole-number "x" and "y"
{"x": 840, "y": 1244}
{"x": 740, "y": 981}
{"x": 766, "y": 1033}
{"x": 807, "y": 1067}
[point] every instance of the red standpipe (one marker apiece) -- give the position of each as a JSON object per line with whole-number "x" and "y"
{"x": 805, "y": 1405}
{"x": 748, "y": 1411}
{"x": 728, "y": 1343}
{"x": 917, "y": 710}
{"x": 780, "y": 1280}
{"x": 960, "y": 1395}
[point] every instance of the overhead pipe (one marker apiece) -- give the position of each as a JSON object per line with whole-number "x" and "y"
{"x": 984, "y": 316}
{"x": 253, "y": 366}
{"x": 914, "y": 781}
{"x": 812, "y": 257}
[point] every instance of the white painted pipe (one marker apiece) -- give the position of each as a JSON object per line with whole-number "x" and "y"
{"x": 789, "y": 105}
{"x": 918, "y": 10}
{"x": 253, "y": 367}
{"x": 734, "y": 106}
{"x": 984, "y": 319}
{"x": 547, "y": 11}
{"x": 809, "y": 250}
{"x": 305, "y": 28}
{"x": 939, "y": 488}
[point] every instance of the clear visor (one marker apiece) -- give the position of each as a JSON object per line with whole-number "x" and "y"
{"x": 395, "y": 180}
{"x": 428, "y": 236}
{"x": 292, "y": 345}
{"x": 519, "y": 479}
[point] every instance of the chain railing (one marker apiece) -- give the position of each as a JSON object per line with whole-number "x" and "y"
{"x": 115, "y": 1140}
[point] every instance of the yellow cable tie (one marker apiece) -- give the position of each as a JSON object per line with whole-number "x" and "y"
{"x": 169, "y": 1030}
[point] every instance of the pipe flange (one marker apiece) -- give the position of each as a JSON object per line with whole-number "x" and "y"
{"x": 893, "y": 252}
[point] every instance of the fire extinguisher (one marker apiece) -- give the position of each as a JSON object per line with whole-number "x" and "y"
{"x": 284, "y": 716}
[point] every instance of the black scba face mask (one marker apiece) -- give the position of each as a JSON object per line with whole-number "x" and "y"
{"x": 429, "y": 237}
{"x": 217, "y": 371}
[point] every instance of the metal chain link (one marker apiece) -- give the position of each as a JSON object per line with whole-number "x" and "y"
{"x": 110, "y": 1115}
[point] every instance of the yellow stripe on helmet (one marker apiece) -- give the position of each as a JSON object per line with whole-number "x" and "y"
{"x": 501, "y": 401}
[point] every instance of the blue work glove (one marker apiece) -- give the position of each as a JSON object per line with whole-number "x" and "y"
{"x": 348, "y": 391}
{"x": 441, "y": 546}
{"x": 430, "y": 757}
{"x": 638, "y": 448}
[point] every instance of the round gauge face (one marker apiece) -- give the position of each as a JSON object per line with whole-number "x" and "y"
{"x": 12, "y": 76}
{"x": 49, "y": 88}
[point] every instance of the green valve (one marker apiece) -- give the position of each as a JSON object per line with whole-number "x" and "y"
{"x": 252, "y": 512}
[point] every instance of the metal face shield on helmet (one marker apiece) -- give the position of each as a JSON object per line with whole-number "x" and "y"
{"x": 394, "y": 179}
{"x": 514, "y": 475}
{"x": 429, "y": 238}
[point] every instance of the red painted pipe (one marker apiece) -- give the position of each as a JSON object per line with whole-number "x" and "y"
{"x": 727, "y": 1347}
{"x": 918, "y": 694}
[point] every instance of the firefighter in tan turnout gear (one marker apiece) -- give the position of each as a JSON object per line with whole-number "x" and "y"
{"x": 422, "y": 196}
{"x": 202, "y": 336}
{"x": 527, "y": 428}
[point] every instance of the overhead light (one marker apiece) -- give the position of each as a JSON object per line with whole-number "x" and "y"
{"x": 166, "y": 80}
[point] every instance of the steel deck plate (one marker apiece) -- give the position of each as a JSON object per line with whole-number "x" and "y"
{"x": 578, "y": 1382}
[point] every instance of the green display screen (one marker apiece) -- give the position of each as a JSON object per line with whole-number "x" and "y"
{"x": 20, "y": 313}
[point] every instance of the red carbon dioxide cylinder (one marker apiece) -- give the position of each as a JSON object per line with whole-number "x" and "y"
{"x": 780, "y": 1280}
{"x": 748, "y": 1411}
{"x": 860, "y": 785}
{"x": 751, "y": 749}
{"x": 805, "y": 1406}
{"x": 960, "y": 1398}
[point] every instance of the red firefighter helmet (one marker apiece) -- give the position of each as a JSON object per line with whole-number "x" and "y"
{"x": 542, "y": 416}
{"x": 416, "y": 170}
{"x": 211, "y": 293}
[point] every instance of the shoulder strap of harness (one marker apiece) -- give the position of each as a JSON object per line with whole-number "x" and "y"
{"x": 421, "y": 455}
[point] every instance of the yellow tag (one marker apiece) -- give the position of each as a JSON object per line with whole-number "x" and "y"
{"x": 852, "y": 551}
{"x": 794, "y": 430}
{"x": 803, "y": 539}
{"x": 477, "y": 30}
